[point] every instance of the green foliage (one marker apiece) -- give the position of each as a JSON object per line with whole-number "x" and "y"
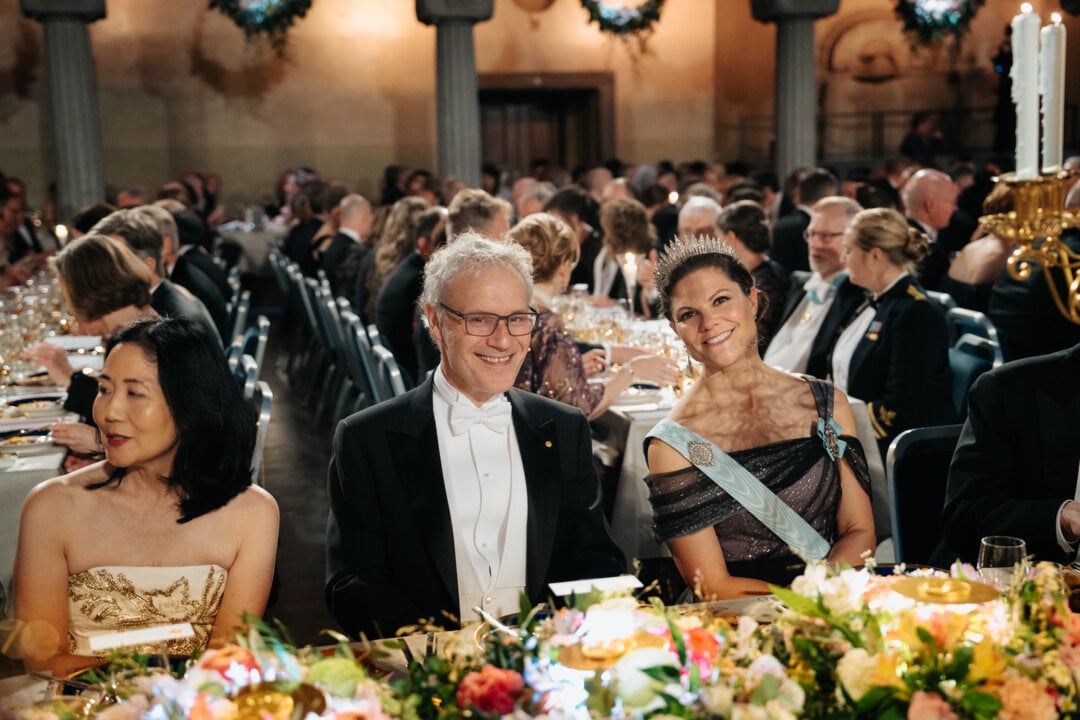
{"x": 271, "y": 18}
{"x": 624, "y": 20}
{"x": 927, "y": 23}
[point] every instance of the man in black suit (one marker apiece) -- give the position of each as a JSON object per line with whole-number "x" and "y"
{"x": 183, "y": 273}
{"x": 788, "y": 241}
{"x": 1015, "y": 467}
{"x": 1025, "y": 314}
{"x": 395, "y": 308}
{"x": 930, "y": 202}
{"x": 575, "y": 207}
{"x": 354, "y": 227}
{"x": 136, "y": 229}
{"x": 809, "y": 325}
{"x": 191, "y": 246}
{"x": 466, "y": 491}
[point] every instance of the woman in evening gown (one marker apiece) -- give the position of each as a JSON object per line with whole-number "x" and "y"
{"x": 554, "y": 365}
{"x": 168, "y": 528}
{"x": 758, "y": 431}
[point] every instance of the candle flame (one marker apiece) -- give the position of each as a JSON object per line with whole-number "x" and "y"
{"x": 1026, "y": 8}
{"x": 1056, "y": 17}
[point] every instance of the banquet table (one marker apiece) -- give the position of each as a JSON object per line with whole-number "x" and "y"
{"x": 33, "y": 465}
{"x": 254, "y": 246}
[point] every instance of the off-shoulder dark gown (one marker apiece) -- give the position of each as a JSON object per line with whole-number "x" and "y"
{"x": 799, "y": 471}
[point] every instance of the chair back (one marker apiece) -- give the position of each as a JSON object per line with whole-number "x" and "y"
{"x": 945, "y": 300}
{"x": 358, "y": 358}
{"x": 238, "y": 313}
{"x": 963, "y": 321}
{"x": 264, "y": 400}
{"x": 387, "y": 374}
{"x": 917, "y": 468}
{"x": 254, "y": 340}
{"x": 374, "y": 336}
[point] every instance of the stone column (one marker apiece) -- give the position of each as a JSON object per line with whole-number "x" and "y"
{"x": 73, "y": 103}
{"x": 457, "y": 105}
{"x": 795, "y": 113}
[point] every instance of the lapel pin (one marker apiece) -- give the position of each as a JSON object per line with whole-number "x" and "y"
{"x": 547, "y": 443}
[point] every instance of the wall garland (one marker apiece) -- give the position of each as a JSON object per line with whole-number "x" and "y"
{"x": 271, "y": 18}
{"x": 928, "y": 21}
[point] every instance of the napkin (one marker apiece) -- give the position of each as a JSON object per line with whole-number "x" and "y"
{"x": 44, "y": 461}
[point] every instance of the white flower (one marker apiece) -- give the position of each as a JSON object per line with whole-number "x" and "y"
{"x": 777, "y": 710}
{"x": 844, "y": 593}
{"x": 718, "y": 699}
{"x": 746, "y": 711}
{"x": 812, "y": 579}
{"x": 766, "y": 665}
{"x": 794, "y": 694}
{"x": 633, "y": 687}
{"x": 854, "y": 671}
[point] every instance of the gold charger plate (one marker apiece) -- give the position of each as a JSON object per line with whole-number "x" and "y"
{"x": 945, "y": 591}
{"x": 580, "y": 657}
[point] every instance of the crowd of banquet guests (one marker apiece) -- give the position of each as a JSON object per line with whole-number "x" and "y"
{"x": 774, "y": 288}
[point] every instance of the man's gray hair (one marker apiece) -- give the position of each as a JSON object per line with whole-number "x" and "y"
{"x": 138, "y": 232}
{"x": 473, "y": 253}
{"x": 164, "y": 221}
{"x": 700, "y": 205}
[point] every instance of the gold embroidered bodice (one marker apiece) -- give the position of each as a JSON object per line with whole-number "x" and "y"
{"x": 113, "y": 599}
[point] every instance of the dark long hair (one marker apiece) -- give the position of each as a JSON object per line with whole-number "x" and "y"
{"x": 214, "y": 421}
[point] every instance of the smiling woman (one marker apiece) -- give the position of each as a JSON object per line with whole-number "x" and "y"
{"x": 741, "y": 493}
{"x": 189, "y": 538}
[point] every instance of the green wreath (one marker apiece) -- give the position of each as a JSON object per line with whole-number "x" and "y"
{"x": 928, "y": 21}
{"x": 272, "y": 18}
{"x": 624, "y": 21}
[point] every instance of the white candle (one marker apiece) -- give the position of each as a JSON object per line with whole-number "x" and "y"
{"x": 1025, "y": 90}
{"x": 630, "y": 269}
{"x": 1052, "y": 89}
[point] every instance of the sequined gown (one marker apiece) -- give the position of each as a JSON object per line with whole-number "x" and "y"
{"x": 799, "y": 471}
{"x": 553, "y": 366}
{"x": 113, "y": 599}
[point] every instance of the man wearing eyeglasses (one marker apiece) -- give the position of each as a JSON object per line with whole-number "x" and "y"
{"x": 818, "y": 308}
{"x": 464, "y": 492}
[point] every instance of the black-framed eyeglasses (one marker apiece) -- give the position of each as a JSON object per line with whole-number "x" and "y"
{"x": 821, "y": 235}
{"x": 482, "y": 324}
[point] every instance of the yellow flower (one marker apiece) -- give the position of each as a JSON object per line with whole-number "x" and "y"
{"x": 987, "y": 663}
{"x": 887, "y": 671}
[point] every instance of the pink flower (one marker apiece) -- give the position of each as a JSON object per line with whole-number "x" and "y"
{"x": 491, "y": 690}
{"x": 929, "y": 706}
{"x": 1023, "y": 699}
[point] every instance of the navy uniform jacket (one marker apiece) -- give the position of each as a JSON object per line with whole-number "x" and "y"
{"x": 900, "y": 368}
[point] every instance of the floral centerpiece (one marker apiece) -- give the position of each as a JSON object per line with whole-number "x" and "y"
{"x": 853, "y": 644}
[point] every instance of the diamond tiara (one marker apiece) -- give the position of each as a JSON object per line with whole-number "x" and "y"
{"x": 684, "y": 248}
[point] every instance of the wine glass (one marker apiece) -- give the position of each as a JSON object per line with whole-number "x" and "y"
{"x": 999, "y": 558}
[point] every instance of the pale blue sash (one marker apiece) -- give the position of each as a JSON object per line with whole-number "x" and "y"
{"x": 748, "y": 491}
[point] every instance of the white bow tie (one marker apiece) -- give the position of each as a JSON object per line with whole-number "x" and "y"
{"x": 464, "y": 415}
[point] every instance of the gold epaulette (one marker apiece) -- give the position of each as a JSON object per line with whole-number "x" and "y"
{"x": 915, "y": 293}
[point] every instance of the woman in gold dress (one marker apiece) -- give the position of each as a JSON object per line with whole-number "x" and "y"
{"x": 168, "y": 528}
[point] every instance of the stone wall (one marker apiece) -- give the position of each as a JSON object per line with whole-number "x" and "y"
{"x": 180, "y": 89}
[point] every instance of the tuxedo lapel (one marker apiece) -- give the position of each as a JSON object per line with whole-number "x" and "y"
{"x": 540, "y": 451}
{"x": 416, "y": 451}
{"x": 1058, "y": 405}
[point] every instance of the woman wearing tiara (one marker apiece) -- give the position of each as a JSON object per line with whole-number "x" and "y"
{"x": 754, "y": 471}
{"x": 894, "y": 353}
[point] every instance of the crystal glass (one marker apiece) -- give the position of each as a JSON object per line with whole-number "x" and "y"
{"x": 1000, "y": 558}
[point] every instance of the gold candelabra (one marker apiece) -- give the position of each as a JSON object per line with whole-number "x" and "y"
{"x": 1035, "y": 226}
